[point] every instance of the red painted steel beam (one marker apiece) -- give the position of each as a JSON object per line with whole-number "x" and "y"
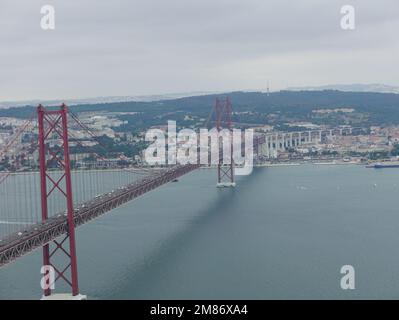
{"x": 56, "y": 122}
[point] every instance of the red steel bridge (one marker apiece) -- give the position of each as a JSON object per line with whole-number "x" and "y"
{"x": 41, "y": 208}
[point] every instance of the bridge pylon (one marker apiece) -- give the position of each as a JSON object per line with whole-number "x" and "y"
{"x": 55, "y": 178}
{"x": 223, "y": 111}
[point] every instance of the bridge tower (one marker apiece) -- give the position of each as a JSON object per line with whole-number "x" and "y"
{"x": 54, "y": 154}
{"x": 223, "y": 111}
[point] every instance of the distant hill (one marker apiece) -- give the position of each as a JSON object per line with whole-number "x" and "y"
{"x": 96, "y": 100}
{"x": 255, "y": 107}
{"x": 376, "y": 87}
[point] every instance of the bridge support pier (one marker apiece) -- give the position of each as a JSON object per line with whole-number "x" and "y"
{"x": 226, "y": 185}
{"x": 65, "y": 296}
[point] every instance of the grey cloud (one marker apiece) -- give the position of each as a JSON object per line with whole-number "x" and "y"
{"x": 134, "y": 47}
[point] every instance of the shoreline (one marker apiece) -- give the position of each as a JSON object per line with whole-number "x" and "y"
{"x": 296, "y": 164}
{"x": 263, "y": 165}
{"x": 291, "y": 164}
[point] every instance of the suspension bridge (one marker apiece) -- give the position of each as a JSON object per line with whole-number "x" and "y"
{"x": 41, "y": 208}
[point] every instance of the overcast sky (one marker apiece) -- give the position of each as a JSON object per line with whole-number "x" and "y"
{"x": 140, "y": 47}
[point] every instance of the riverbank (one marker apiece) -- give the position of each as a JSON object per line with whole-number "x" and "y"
{"x": 290, "y": 164}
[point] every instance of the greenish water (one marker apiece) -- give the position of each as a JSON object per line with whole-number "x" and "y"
{"x": 283, "y": 233}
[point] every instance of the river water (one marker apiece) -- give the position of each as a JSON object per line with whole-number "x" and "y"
{"x": 282, "y": 233}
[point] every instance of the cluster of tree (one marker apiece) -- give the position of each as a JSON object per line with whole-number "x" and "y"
{"x": 395, "y": 150}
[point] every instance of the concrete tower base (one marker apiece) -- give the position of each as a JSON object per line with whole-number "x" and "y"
{"x": 64, "y": 296}
{"x": 226, "y": 185}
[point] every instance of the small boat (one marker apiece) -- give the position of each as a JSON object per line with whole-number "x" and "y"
{"x": 383, "y": 165}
